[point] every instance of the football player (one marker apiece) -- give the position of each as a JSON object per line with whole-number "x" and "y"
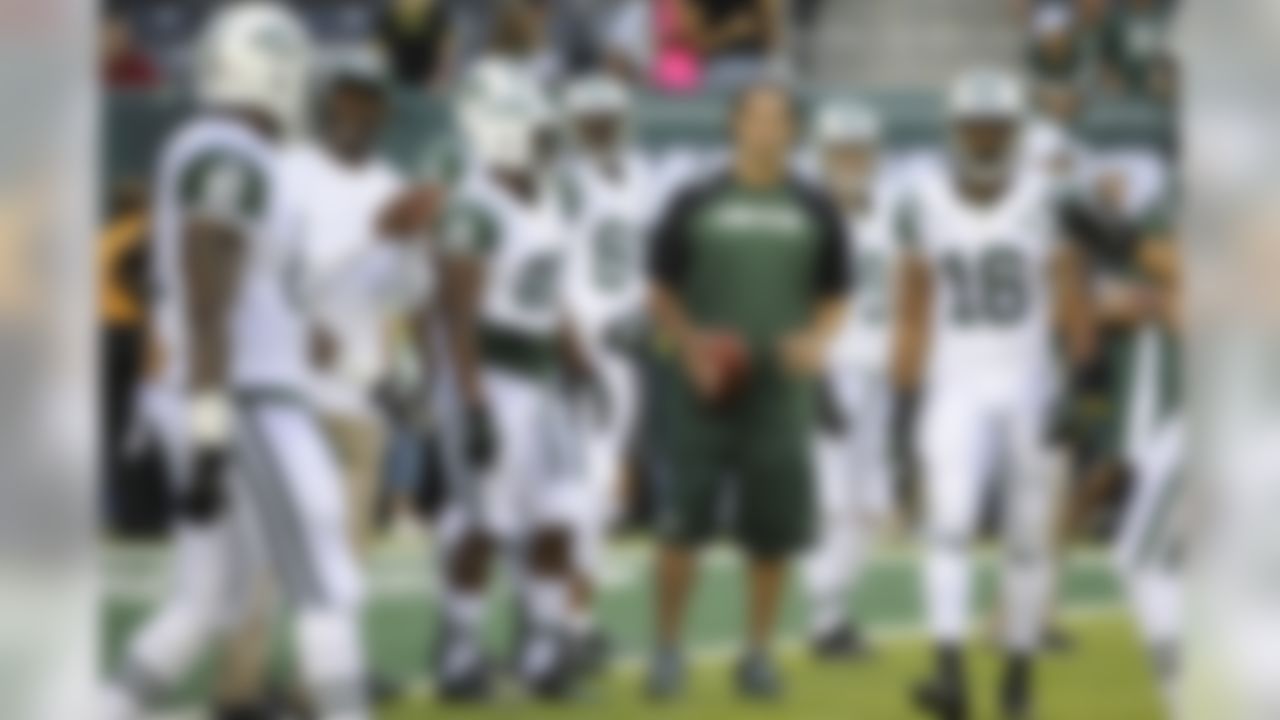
{"x": 251, "y": 460}
{"x": 986, "y": 280}
{"x": 506, "y": 243}
{"x": 610, "y": 185}
{"x": 853, "y": 449}
{"x": 364, "y": 266}
{"x": 1124, "y": 215}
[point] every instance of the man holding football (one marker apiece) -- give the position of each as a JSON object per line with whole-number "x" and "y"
{"x": 749, "y": 273}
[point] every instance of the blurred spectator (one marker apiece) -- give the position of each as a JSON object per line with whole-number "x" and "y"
{"x": 1055, "y": 55}
{"x": 735, "y": 39}
{"x": 805, "y": 15}
{"x": 677, "y": 64}
{"x": 1057, "y": 61}
{"x": 137, "y": 494}
{"x": 124, "y": 65}
{"x": 1135, "y": 43}
{"x": 417, "y": 38}
{"x": 626, "y": 39}
{"x": 521, "y": 34}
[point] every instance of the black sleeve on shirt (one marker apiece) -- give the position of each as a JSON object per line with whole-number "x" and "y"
{"x": 669, "y": 246}
{"x": 833, "y": 268}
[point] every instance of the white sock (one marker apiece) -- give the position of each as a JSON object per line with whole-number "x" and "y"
{"x": 162, "y": 653}
{"x": 825, "y": 572}
{"x": 947, "y": 590}
{"x": 1157, "y": 599}
{"x": 331, "y": 661}
{"x": 1027, "y": 580}
{"x": 464, "y": 611}
{"x": 547, "y": 600}
{"x": 581, "y": 622}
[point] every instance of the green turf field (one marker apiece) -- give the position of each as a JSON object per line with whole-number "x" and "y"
{"x": 1103, "y": 679}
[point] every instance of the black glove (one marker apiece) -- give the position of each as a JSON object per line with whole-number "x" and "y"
{"x": 482, "y": 440}
{"x": 204, "y": 498}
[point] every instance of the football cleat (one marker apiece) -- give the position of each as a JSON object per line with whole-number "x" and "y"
{"x": 757, "y": 677}
{"x": 844, "y": 642}
{"x": 666, "y": 675}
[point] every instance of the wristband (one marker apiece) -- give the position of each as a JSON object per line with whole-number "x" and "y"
{"x": 209, "y": 418}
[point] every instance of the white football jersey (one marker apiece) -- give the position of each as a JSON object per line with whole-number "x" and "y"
{"x": 354, "y": 279}
{"x": 524, "y": 244}
{"x": 217, "y": 167}
{"x": 865, "y": 341}
{"x": 612, "y": 214}
{"x": 991, "y": 269}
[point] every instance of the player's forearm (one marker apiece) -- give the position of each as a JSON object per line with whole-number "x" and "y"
{"x": 1075, "y": 309}
{"x": 826, "y": 321}
{"x": 461, "y": 294}
{"x": 213, "y": 262}
{"x": 673, "y": 322}
{"x": 911, "y": 339}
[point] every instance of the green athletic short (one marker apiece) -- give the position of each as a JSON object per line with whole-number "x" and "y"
{"x": 744, "y": 467}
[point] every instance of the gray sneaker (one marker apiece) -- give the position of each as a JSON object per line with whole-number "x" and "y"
{"x": 758, "y": 677}
{"x": 666, "y": 675}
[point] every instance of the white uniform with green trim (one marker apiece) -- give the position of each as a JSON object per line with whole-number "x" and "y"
{"x": 523, "y": 244}
{"x": 607, "y": 297}
{"x": 854, "y": 460}
{"x": 987, "y": 387}
{"x": 859, "y": 362}
{"x": 286, "y": 478}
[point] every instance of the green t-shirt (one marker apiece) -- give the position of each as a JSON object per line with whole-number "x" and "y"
{"x": 752, "y": 260}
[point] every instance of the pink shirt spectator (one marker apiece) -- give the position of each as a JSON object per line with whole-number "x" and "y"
{"x": 677, "y": 67}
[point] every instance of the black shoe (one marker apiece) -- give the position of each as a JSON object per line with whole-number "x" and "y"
{"x": 758, "y": 678}
{"x": 844, "y": 642}
{"x": 471, "y": 683}
{"x": 1058, "y": 640}
{"x": 382, "y": 690}
{"x": 666, "y": 678}
{"x": 247, "y": 711}
{"x": 1016, "y": 689}
{"x": 558, "y": 679}
{"x": 592, "y": 653}
{"x": 942, "y": 697}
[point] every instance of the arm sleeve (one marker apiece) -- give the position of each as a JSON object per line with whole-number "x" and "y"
{"x": 468, "y": 230}
{"x": 833, "y": 269}
{"x": 224, "y": 188}
{"x": 669, "y": 248}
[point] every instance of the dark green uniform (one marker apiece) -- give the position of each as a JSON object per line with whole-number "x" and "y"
{"x": 1103, "y": 415}
{"x": 755, "y": 262}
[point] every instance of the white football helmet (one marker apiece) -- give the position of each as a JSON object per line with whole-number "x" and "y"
{"x": 506, "y": 135}
{"x": 846, "y": 138}
{"x": 597, "y": 94}
{"x": 256, "y": 55}
{"x": 987, "y": 109}
{"x": 500, "y": 113}
{"x": 847, "y": 123}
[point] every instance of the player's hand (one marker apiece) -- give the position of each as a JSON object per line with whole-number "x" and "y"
{"x": 411, "y": 213}
{"x": 482, "y": 439}
{"x": 718, "y": 363}
{"x": 803, "y": 354}
{"x": 324, "y": 348}
{"x": 1128, "y": 303}
{"x": 209, "y": 418}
